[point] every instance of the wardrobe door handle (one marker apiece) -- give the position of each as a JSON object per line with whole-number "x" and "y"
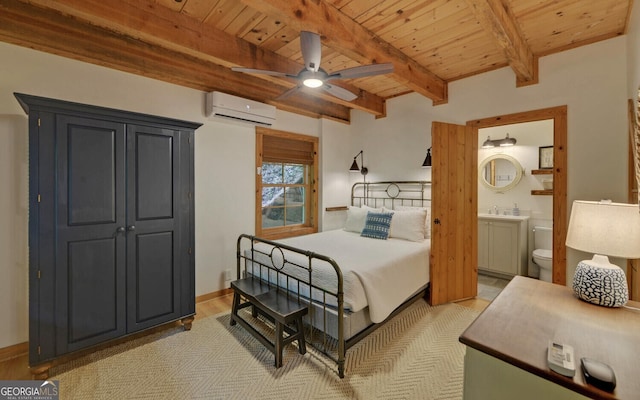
{"x": 120, "y": 229}
{"x": 131, "y": 228}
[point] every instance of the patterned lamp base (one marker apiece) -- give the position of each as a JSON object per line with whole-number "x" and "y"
{"x": 600, "y": 283}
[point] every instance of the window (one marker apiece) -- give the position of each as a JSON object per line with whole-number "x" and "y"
{"x": 286, "y": 195}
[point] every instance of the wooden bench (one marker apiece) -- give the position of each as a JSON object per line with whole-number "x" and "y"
{"x": 276, "y": 306}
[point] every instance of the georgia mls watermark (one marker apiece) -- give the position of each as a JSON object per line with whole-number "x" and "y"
{"x": 29, "y": 390}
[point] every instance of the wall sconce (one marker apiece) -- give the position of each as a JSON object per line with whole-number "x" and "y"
{"x": 427, "y": 160}
{"x": 507, "y": 141}
{"x": 354, "y": 167}
{"x": 488, "y": 143}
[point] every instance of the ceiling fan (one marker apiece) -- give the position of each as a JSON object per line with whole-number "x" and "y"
{"x": 313, "y": 76}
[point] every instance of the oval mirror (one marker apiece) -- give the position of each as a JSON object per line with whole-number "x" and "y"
{"x": 500, "y": 172}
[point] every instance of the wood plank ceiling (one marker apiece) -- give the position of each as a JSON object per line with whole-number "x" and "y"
{"x": 430, "y": 42}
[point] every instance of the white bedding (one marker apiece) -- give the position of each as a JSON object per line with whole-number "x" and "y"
{"x": 380, "y": 274}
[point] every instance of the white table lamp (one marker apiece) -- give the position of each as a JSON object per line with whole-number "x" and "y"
{"x": 605, "y": 229}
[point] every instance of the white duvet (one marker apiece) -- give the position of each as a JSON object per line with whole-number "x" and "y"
{"x": 380, "y": 274}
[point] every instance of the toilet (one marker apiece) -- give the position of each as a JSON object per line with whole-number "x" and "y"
{"x": 542, "y": 255}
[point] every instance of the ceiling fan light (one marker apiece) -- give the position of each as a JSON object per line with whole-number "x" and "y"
{"x": 312, "y": 82}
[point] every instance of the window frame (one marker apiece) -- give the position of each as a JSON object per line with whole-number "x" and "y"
{"x": 311, "y": 201}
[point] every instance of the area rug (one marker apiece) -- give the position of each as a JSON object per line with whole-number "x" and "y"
{"x": 415, "y": 355}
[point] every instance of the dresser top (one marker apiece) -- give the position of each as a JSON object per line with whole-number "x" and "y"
{"x": 518, "y": 325}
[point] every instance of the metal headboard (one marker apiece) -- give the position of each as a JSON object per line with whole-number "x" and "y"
{"x": 391, "y": 194}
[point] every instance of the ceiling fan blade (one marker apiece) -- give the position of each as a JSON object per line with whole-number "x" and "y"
{"x": 311, "y": 50}
{"x": 339, "y": 92}
{"x": 261, "y": 71}
{"x": 362, "y": 71}
{"x": 287, "y": 93}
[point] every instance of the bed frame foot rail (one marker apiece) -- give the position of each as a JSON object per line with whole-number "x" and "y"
{"x": 278, "y": 261}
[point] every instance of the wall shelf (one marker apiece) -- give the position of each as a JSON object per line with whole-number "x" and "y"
{"x": 544, "y": 192}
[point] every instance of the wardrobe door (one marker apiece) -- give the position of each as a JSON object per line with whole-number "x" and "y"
{"x": 90, "y": 258}
{"x": 154, "y": 244}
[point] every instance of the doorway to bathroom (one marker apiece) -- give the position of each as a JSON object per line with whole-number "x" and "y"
{"x": 550, "y": 163}
{"x": 515, "y": 204}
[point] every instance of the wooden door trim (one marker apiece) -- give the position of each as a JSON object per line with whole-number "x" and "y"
{"x": 560, "y": 208}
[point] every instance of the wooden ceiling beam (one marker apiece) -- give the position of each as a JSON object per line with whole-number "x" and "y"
{"x": 50, "y": 31}
{"x": 156, "y": 24}
{"x": 498, "y": 20}
{"x": 348, "y": 37}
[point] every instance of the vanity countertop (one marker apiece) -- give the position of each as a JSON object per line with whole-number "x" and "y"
{"x": 503, "y": 217}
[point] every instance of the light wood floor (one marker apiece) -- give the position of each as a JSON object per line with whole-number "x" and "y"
{"x": 18, "y": 368}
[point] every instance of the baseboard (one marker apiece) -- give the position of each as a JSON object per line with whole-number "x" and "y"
{"x": 14, "y": 351}
{"x": 21, "y": 349}
{"x": 213, "y": 295}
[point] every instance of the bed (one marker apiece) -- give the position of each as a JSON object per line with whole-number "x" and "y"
{"x": 352, "y": 279}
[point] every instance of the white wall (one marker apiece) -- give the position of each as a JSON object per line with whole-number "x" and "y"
{"x": 224, "y": 164}
{"x": 336, "y": 160}
{"x": 591, "y": 80}
{"x": 395, "y": 146}
{"x": 633, "y": 73}
{"x": 14, "y": 166}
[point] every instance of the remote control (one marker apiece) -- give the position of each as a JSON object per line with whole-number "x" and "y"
{"x": 598, "y": 374}
{"x": 560, "y": 359}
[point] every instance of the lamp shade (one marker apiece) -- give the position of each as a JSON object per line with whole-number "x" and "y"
{"x": 427, "y": 160}
{"x": 610, "y": 229}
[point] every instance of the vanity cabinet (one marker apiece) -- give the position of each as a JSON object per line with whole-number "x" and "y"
{"x": 111, "y": 225}
{"x": 502, "y": 244}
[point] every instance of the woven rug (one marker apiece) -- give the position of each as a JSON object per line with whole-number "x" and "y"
{"x": 415, "y": 355}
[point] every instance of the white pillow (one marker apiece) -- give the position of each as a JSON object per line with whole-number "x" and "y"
{"x": 372, "y": 209}
{"x": 408, "y": 224}
{"x": 427, "y": 220}
{"x": 356, "y": 218}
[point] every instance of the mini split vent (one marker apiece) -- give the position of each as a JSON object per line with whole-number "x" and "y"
{"x": 222, "y": 105}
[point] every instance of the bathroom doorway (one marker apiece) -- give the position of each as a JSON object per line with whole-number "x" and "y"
{"x": 559, "y": 192}
{"x": 516, "y": 183}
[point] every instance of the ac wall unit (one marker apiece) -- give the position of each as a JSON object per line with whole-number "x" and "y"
{"x": 222, "y": 105}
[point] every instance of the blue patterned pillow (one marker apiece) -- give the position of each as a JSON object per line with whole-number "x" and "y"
{"x": 377, "y": 225}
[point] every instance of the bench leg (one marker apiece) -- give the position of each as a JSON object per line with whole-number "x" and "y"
{"x": 278, "y": 344}
{"x": 234, "y": 308}
{"x": 302, "y": 347}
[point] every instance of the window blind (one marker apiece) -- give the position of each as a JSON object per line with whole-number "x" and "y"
{"x": 279, "y": 149}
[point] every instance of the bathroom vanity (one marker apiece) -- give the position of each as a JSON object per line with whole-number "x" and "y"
{"x": 502, "y": 244}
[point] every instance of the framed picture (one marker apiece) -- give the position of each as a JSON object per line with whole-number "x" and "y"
{"x": 545, "y": 157}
